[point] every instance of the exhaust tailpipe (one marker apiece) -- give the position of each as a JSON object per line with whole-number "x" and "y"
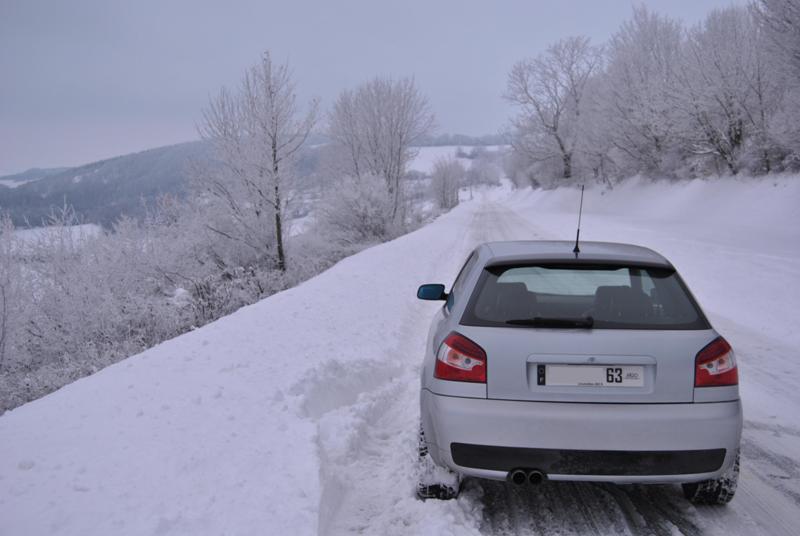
{"x": 536, "y": 477}
{"x": 517, "y": 476}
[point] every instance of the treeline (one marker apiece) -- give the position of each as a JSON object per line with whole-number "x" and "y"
{"x": 463, "y": 139}
{"x": 662, "y": 99}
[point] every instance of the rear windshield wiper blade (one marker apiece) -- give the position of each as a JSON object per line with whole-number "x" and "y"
{"x": 583, "y": 322}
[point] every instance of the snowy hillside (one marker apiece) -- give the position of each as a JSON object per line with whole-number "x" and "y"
{"x": 298, "y": 415}
{"x": 100, "y": 192}
{"x": 31, "y": 175}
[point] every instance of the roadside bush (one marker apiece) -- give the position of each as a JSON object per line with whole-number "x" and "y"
{"x": 356, "y": 212}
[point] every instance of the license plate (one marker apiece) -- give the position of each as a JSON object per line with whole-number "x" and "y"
{"x": 594, "y": 375}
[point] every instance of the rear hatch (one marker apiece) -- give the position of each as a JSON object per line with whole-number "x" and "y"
{"x": 568, "y": 365}
{"x": 591, "y": 333}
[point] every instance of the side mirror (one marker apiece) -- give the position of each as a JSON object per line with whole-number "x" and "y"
{"x": 431, "y": 292}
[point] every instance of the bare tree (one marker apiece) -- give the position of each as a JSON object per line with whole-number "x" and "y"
{"x": 355, "y": 212}
{"x": 10, "y": 282}
{"x": 376, "y": 126}
{"x": 781, "y": 20}
{"x": 727, "y": 89}
{"x": 640, "y": 117}
{"x": 483, "y": 170}
{"x": 448, "y": 174}
{"x": 549, "y": 92}
{"x": 256, "y": 132}
{"x": 598, "y": 152}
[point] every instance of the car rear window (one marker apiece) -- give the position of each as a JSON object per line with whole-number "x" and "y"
{"x": 613, "y": 296}
{"x": 458, "y": 284}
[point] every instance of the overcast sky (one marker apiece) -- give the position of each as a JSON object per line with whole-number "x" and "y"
{"x": 89, "y": 79}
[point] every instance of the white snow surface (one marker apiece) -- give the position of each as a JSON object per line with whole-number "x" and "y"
{"x": 78, "y": 232}
{"x": 298, "y": 415}
{"x": 12, "y": 184}
{"x": 426, "y": 157}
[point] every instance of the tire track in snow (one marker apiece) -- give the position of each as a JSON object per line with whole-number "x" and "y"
{"x": 769, "y": 487}
{"x": 775, "y": 470}
{"x": 370, "y": 486}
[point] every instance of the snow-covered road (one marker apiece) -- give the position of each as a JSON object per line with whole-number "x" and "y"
{"x": 298, "y": 415}
{"x": 768, "y": 499}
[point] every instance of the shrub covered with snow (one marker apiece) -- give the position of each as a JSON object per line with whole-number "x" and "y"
{"x": 357, "y": 211}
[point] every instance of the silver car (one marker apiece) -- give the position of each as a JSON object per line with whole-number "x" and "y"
{"x": 544, "y": 364}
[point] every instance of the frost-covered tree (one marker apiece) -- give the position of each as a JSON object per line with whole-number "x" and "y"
{"x": 728, "y": 90}
{"x": 356, "y": 210}
{"x": 12, "y": 296}
{"x": 779, "y": 22}
{"x": 74, "y": 299}
{"x": 548, "y": 92}
{"x": 375, "y": 127}
{"x": 446, "y": 179}
{"x": 484, "y": 170}
{"x": 256, "y": 131}
{"x": 722, "y": 96}
{"x": 640, "y": 106}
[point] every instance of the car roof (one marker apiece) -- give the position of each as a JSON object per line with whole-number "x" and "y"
{"x": 561, "y": 251}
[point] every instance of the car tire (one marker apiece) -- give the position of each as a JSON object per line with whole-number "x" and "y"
{"x": 436, "y": 491}
{"x": 719, "y": 491}
{"x": 427, "y": 486}
{"x": 422, "y": 445}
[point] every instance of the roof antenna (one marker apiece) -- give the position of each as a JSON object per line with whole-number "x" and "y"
{"x": 577, "y": 249}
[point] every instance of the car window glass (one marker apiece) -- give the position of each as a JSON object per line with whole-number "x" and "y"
{"x": 616, "y": 297}
{"x": 458, "y": 284}
{"x": 570, "y": 282}
{"x": 648, "y": 287}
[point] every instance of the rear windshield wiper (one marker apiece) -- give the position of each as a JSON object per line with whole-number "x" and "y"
{"x": 583, "y": 322}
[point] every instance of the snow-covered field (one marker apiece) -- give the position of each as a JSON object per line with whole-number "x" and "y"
{"x": 426, "y": 157}
{"x": 298, "y": 415}
{"x": 11, "y": 184}
{"x": 78, "y": 232}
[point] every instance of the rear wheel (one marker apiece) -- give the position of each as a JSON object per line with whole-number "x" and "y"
{"x": 718, "y": 491}
{"x": 433, "y": 481}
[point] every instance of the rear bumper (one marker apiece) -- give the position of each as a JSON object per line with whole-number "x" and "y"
{"x": 593, "y": 442}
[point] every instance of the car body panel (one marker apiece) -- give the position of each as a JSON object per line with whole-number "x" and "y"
{"x": 562, "y": 250}
{"x": 514, "y": 354}
{"x": 604, "y": 427}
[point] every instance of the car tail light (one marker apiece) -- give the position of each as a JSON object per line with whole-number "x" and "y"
{"x": 460, "y": 360}
{"x": 715, "y": 365}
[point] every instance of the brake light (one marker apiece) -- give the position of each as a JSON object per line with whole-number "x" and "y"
{"x": 460, "y": 360}
{"x": 715, "y": 365}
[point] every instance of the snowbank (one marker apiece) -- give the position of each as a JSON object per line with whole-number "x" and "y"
{"x": 754, "y": 213}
